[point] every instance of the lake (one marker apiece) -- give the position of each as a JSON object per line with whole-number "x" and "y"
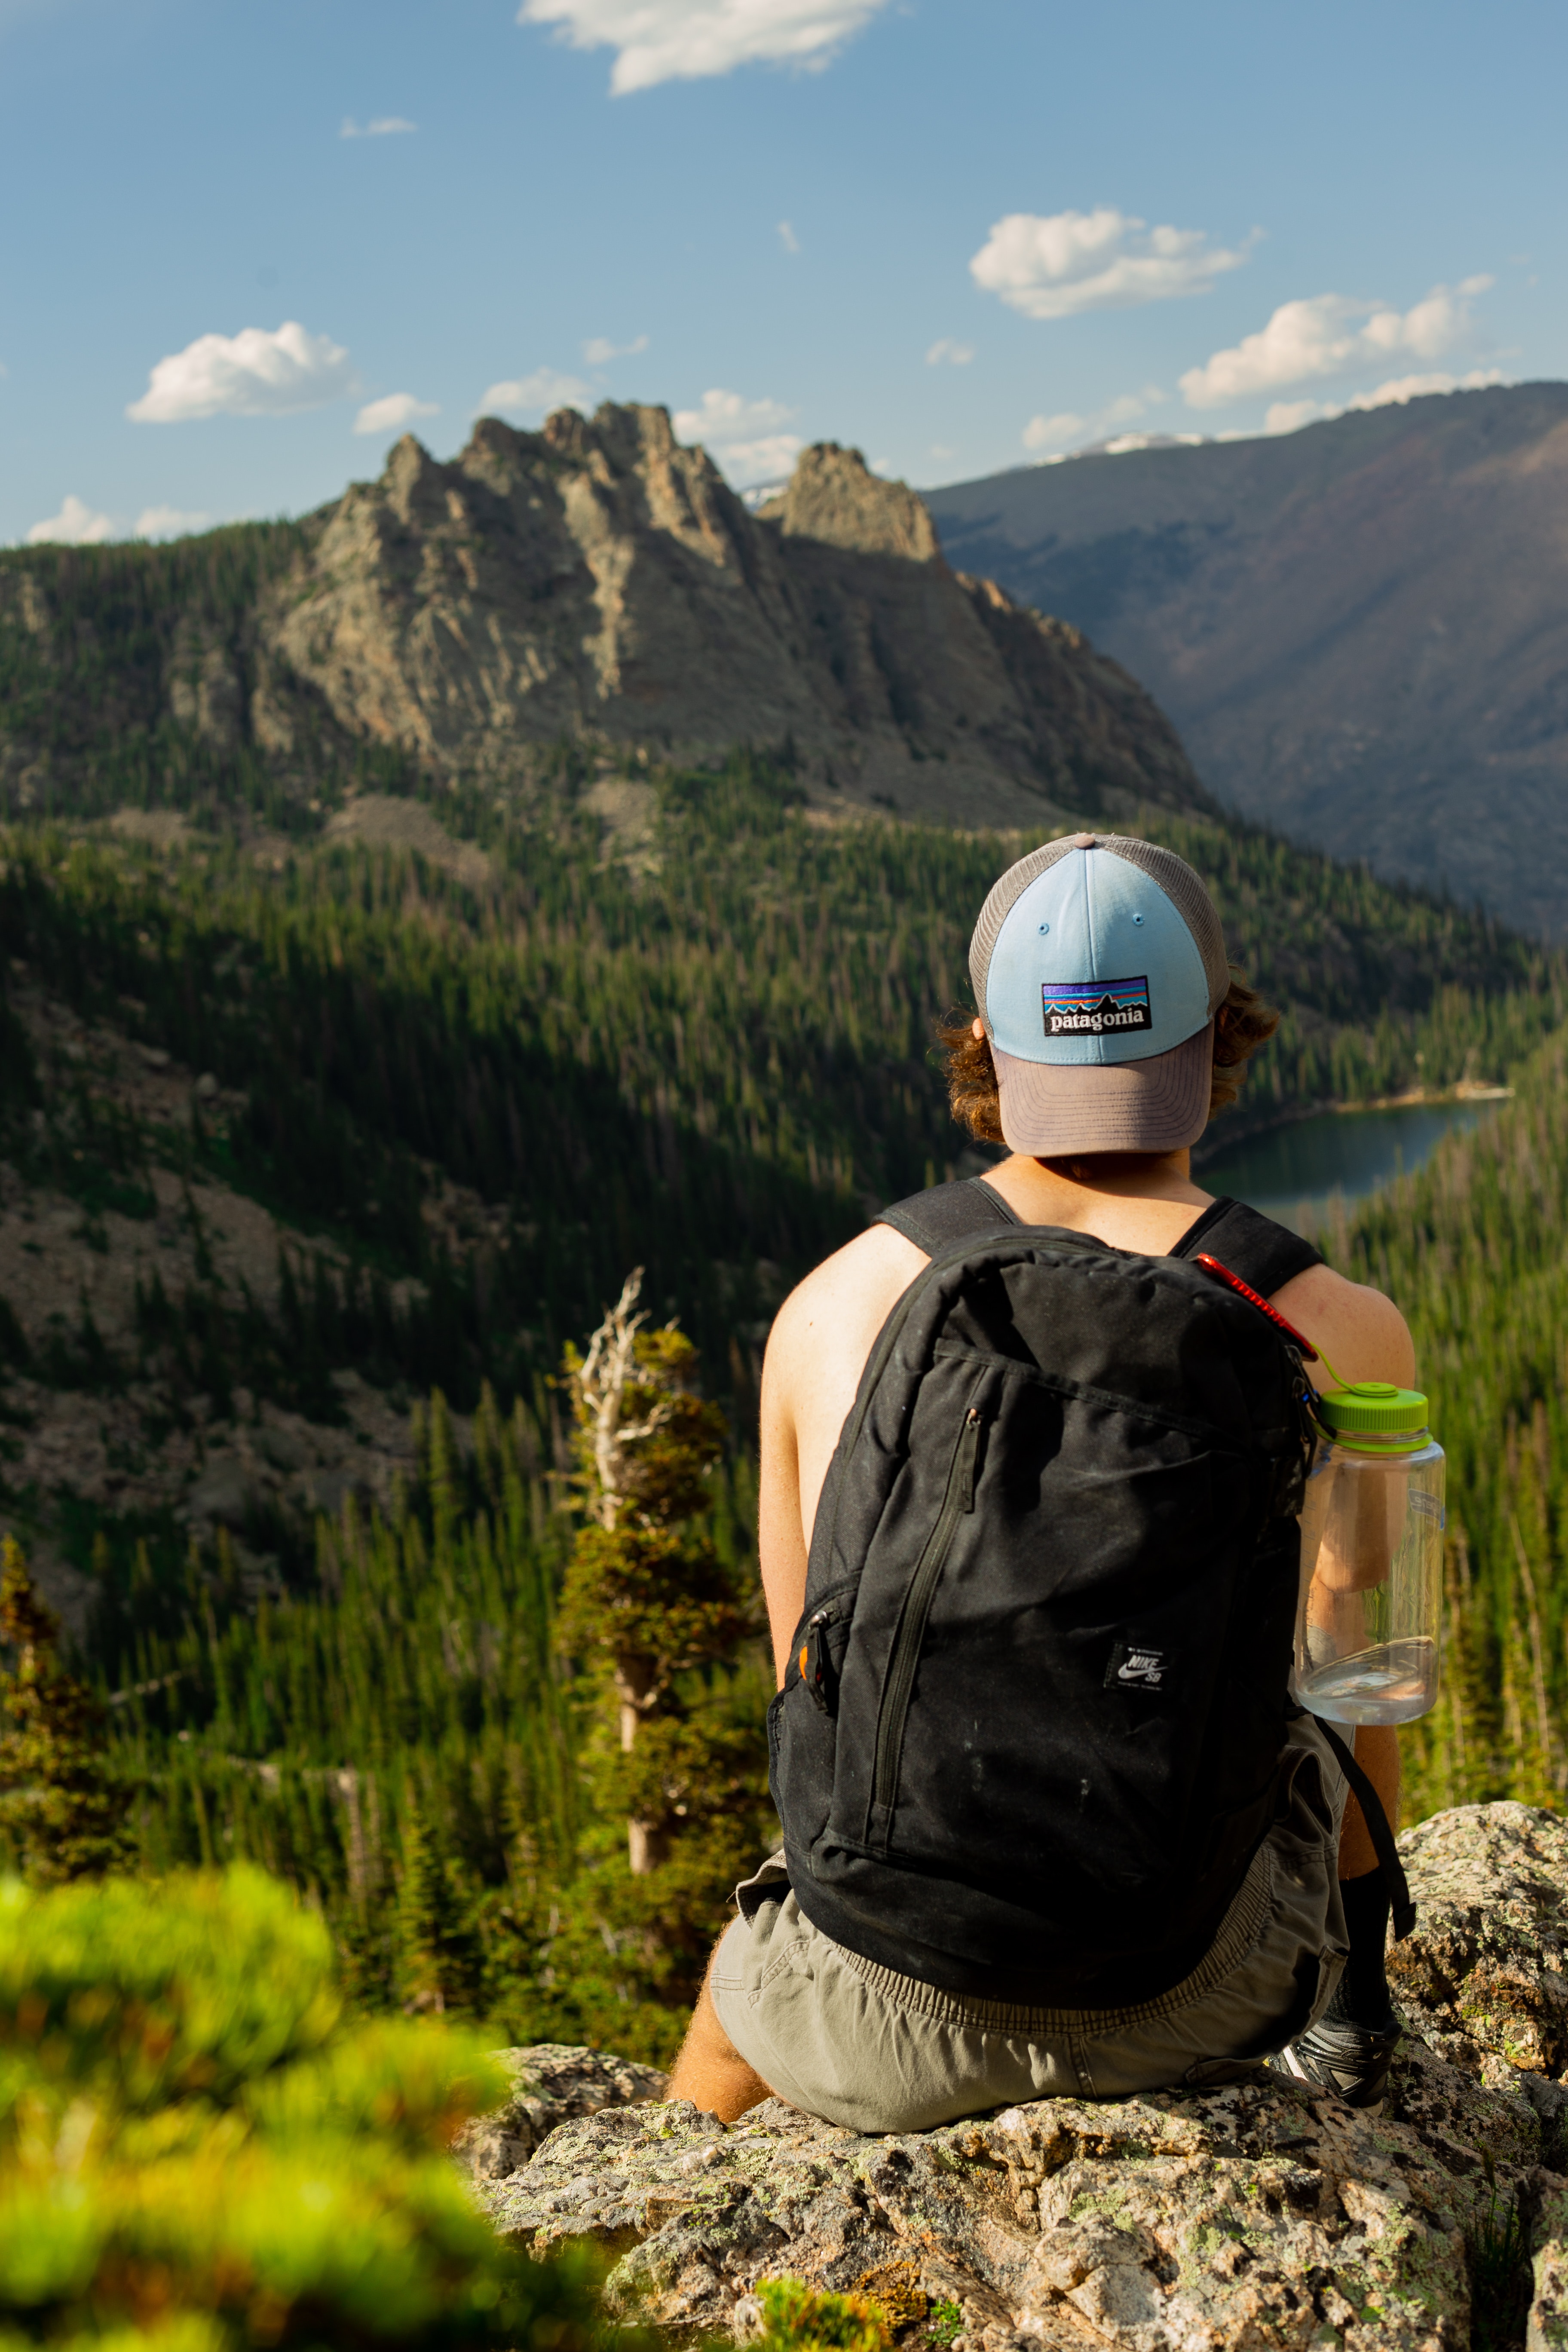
{"x": 1293, "y": 1172}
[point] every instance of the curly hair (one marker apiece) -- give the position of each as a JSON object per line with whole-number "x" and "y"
{"x": 1243, "y": 1022}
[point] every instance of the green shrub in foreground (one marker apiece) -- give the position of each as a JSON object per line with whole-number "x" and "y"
{"x": 198, "y": 2146}
{"x": 800, "y": 2318}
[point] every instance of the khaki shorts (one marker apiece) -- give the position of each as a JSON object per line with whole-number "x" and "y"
{"x": 860, "y": 2046}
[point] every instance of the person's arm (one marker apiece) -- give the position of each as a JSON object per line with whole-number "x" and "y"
{"x": 1368, "y": 1339}
{"x": 816, "y": 1352}
{"x": 781, "y": 1539}
{"x": 816, "y": 1349}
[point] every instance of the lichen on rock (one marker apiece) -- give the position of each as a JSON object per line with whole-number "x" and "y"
{"x": 552, "y": 2084}
{"x": 1485, "y": 1977}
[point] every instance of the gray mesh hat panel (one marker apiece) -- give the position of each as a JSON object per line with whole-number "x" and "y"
{"x": 1000, "y": 900}
{"x": 1172, "y": 873}
{"x": 1192, "y": 901}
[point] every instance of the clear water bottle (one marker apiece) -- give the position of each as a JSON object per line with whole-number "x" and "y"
{"x": 1371, "y": 1559}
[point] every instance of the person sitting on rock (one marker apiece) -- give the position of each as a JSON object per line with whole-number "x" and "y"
{"x": 1032, "y": 1454}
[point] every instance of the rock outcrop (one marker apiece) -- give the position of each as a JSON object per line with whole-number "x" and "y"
{"x": 594, "y": 584}
{"x": 552, "y": 2084}
{"x": 1228, "y": 2219}
{"x": 1484, "y": 1980}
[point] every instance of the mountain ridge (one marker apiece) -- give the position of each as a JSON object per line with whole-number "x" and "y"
{"x": 1359, "y": 629}
{"x": 596, "y": 584}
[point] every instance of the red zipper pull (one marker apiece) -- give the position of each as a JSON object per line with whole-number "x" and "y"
{"x": 1245, "y": 1290}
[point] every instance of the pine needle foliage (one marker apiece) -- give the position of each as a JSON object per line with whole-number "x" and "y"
{"x": 435, "y": 1952}
{"x": 199, "y": 2150}
{"x": 63, "y": 1807}
{"x": 800, "y": 2318}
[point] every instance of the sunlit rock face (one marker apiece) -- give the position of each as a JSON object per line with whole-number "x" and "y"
{"x": 598, "y": 582}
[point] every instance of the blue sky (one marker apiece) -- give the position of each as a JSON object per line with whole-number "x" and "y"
{"x": 960, "y": 234}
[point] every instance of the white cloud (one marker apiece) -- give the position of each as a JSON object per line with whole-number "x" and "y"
{"x": 76, "y": 525}
{"x": 955, "y": 354}
{"x": 1051, "y": 266}
{"x": 1289, "y": 416}
{"x": 1328, "y": 335}
{"x": 1121, "y": 445}
{"x": 671, "y": 40}
{"x": 535, "y": 394}
{"x": 393, "y": 412}
{"x": 252, "y": 374}
{"x": 599, "y": 350}
{"x": 744, "y": 437}
{"x": 787, "y": 237}
{"x": 1400, "y": 388}
{"x": 169, "y": 522}
{"x": 1051, "y": 434}
{"x": 385, "y": 126}
{"x": 1052, "y": 437}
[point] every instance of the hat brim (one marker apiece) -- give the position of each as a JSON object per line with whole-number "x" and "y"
{"x": 1053, "y": 1109}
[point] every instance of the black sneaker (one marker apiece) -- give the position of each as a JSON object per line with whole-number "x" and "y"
{"x": 1352, "y": 2061}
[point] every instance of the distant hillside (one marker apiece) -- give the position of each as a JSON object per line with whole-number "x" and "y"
{"x": 1360, "y": 629}
{"x": 594, "y": 584}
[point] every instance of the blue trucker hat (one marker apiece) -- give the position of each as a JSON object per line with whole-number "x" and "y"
{"x": 1098, "y": 964}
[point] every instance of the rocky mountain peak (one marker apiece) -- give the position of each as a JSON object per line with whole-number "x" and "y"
{"x": 599, "y": 580}
{"x": 833, "y": 496}
{"x": 410, "y": 471}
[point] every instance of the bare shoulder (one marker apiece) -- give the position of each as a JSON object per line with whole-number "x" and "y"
{"x": 1362, "y": 1331}
{"x": 844, "y": 1301}
{"x": 816, "y": 1352}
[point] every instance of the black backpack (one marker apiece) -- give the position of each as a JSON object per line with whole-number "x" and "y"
{"x": 1031, "y": 1733}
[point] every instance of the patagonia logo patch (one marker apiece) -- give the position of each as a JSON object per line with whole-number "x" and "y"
{"x": 1096, "y": 1008}
{"x": 1135, "y": 1665}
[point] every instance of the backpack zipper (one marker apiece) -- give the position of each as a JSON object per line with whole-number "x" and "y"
{"x": 912, "y": 1626}
{"x": 813, "y": 1659}
{"x": 888, "y": 1340}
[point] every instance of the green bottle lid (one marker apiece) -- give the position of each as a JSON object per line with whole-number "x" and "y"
{"x": 1373, "y": 1409}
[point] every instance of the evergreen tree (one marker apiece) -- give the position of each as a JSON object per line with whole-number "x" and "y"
{"x": 61, "y": 1805}
{"x": 422, "y": 1915}
{"x": 647, "y": 1596}
{"x": 1450, "y": 1756}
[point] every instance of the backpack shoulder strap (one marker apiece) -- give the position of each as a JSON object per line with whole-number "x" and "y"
{"x": 1264, "y": 1255}
{"x": 1262, "y": 1252}
{"x": 1380, "y": 1829}
{"x": 933, "y": 1221}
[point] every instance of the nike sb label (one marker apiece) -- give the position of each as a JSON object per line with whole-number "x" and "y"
{"x": 1135, "y": 1665}
{"x": 1096, "y": 1008}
